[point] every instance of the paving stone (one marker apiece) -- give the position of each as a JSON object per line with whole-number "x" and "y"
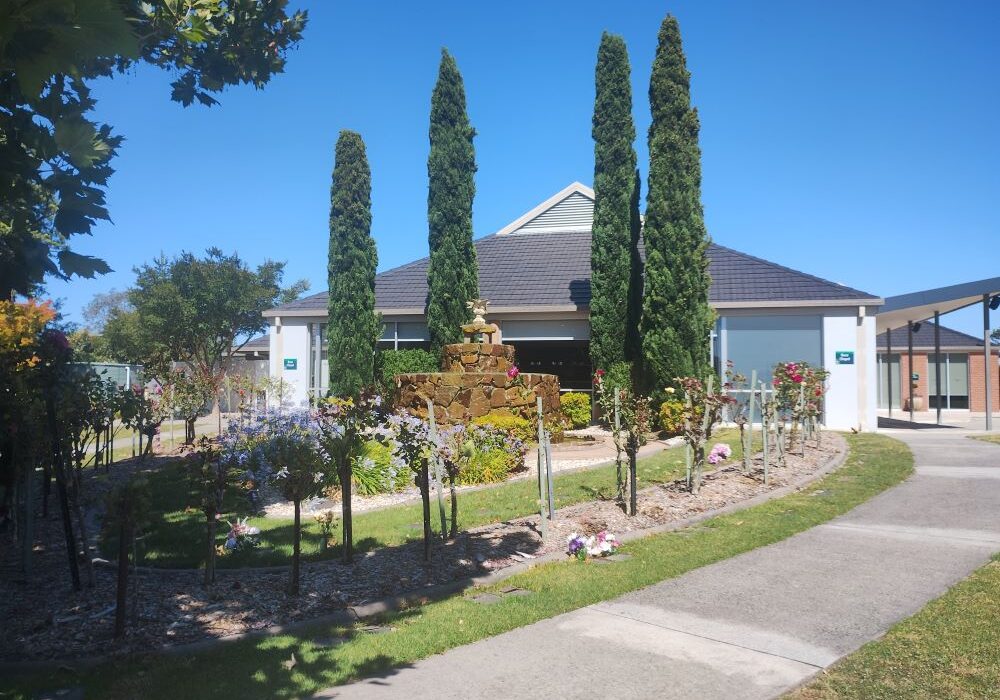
{"x": 486, "y": 598}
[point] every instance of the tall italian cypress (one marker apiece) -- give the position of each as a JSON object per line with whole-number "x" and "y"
{"x": 353, "y": 327}
{"x": 633, "y": 340}
{"x": 614, "y": 175}
{"x": 676, "y": 318}
{"x": 452, "y": 275}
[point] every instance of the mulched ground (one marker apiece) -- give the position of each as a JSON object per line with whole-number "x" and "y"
{"x": 51, "y": 621}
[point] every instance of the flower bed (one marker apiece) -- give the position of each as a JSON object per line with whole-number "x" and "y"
{"x": 174, "y": 608}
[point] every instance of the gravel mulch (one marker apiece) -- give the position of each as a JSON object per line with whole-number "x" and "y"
{"x": 47, "y": 620}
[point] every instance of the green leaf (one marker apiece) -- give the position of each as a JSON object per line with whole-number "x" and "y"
{"x": 83, "y": 265}
{"x": 79, "y": 140}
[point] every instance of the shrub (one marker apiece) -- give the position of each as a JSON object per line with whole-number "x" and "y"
{"x": 374, "y": 472}
{"x": 672, "y": 416}
{"x": 389, "y": 363}
{"x": 618, "y": 376}
{"x": 485, "y": 467}
{"x": 576, "y": 408}
{"x": 517, "y": 426}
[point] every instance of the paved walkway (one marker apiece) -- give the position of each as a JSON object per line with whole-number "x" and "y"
{"x": 755, "y": 625}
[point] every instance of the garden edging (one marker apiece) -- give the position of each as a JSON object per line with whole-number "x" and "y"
{"x": 432, "y": 593}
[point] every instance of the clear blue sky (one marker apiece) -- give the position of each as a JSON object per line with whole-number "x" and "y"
{"x": 858, "y": 141}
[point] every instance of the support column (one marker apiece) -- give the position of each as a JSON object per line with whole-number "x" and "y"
{"x": 888, "y": 369}
{"x": 909, "y": 362}
{"x": 937, "y": 362}
{"x": 987, "y": 357}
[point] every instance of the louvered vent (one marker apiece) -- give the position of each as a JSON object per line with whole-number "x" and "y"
{"x": 575, "y": 213}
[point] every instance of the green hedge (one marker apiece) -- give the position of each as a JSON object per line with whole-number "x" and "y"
{"x": 576, "y": 408}
{"x": 389, "y": 363}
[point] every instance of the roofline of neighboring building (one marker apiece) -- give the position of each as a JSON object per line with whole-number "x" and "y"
{"x": 544, "y": 206}
{"x": 977, "y": 349}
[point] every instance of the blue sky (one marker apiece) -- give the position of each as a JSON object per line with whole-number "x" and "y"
{"x": 857, "y": 141}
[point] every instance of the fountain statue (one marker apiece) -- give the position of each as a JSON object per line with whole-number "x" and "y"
{"x": 478, "y": 378}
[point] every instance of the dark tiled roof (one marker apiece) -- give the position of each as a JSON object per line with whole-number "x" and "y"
{"x": 924, "y": 338}
{"x": 259, "y": 343}
{"x": 553, "y": 269}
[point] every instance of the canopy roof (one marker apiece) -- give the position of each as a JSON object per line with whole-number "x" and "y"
{"x": 919, "y": 306}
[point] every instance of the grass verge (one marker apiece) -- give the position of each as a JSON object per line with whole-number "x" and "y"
{"x": 995, "y": 439}
{"x": 175, "y": 535}
{"x": 950, "y": 649}
{"x": 254, "y": 668}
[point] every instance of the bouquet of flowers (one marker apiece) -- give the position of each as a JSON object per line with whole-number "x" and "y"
{"x": 241, "y": 536}
{"x": 720, "y": 452}
{"x": 600, "y": 545}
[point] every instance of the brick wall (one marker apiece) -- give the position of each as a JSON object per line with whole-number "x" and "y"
{"x": 976, "y": 394}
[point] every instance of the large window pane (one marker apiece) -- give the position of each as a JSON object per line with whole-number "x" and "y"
{"x": 761, "y": 342}
{"x": 885, "y": 367}
{"x": 958, "y": 379}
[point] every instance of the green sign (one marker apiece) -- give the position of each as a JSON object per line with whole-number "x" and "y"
{"x": 291, "y": 363}
{"x": 845, "y": 357}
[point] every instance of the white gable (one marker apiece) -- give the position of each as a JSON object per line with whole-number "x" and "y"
{"x": 571, "y": 210}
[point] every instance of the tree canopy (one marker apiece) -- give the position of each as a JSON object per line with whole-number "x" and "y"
{"x": 195, "y": 310}
{"x": 676, "y": 318}
{"x": 55, "y": 159}
{"x": 614, "y": 175}
{"x": 452, "y": 273}
{"x": 352, "y": 327}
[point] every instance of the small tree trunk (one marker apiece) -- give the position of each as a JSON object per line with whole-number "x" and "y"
{"x": 454, "y": 509}
{"x": 633, "y": 498}
{"x": 296, "y": 548}
{"x": 81, "y": 523}
{"x": 189, "y": 430}
{"x": 345, "y": 504}
{"x": 210, "y": 551}
{"x": 699, "y": 462}
{"x": 121, "y": 594}
{"x": 57, "y": 465}
{"x": 425, "y": 496}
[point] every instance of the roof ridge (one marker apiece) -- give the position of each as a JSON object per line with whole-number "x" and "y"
{"x": 771, "y": 263}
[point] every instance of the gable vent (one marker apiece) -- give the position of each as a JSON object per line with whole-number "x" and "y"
{"x": 575, "y": 213}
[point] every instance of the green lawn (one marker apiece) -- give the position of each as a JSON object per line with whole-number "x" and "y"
{"x": 950, "y": 649}
{"x": 995, "y": 439}
{"x": 254, "y": 668}
{"x": 174, "y": 536}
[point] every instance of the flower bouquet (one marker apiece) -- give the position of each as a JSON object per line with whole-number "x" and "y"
{"x": 720, "y": 453}
{"x": 241, "y": 536}
{"x": 602, "y": 544}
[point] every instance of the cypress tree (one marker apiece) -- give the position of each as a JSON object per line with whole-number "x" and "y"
{"x": 352, "y": 327}
{"x": 676, "y": 318}
{"x": 614, "y": 168}
{"x": 633, "y": 341}
{"x": 452, "y": 274}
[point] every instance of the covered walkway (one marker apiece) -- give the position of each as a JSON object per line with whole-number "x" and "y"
{"x": 910, "y": 311}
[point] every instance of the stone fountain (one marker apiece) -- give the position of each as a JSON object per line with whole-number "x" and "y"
{"x": 476, "y": 379}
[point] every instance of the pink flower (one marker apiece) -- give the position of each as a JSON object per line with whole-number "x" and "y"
{"x": 513, "y": 372}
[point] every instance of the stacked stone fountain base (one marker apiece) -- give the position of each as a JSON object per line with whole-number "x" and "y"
{"x": 474, "y": 382}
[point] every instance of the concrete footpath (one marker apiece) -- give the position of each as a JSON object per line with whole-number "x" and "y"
{"x": 755, "y": 625}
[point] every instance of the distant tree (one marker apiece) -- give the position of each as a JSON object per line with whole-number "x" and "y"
{"x": 54, "y": 158}
{"x": 614, "y": 168}
{"x": 352, "y": 327}
{"x": 88, "y": 347}
{"x": 100, "y": 309}
{"x": 676, "y": 318}
{"x": 452, "y": 274}
{"x": 197, "y": 311}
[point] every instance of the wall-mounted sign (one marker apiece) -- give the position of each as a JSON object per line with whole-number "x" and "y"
{"x": 845, "y": 357}
{"x": 915, "y": 377}
{"x": 291, "y": 363}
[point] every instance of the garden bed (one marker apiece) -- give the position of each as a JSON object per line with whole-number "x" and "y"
{"x": 175, "y": 609}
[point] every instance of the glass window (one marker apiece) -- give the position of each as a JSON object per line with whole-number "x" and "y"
{"x": 412, "y": 331}
{"x": 761, "y": 342}
{"x": 885, "y": 366}
{"x": 958, "y": 380}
